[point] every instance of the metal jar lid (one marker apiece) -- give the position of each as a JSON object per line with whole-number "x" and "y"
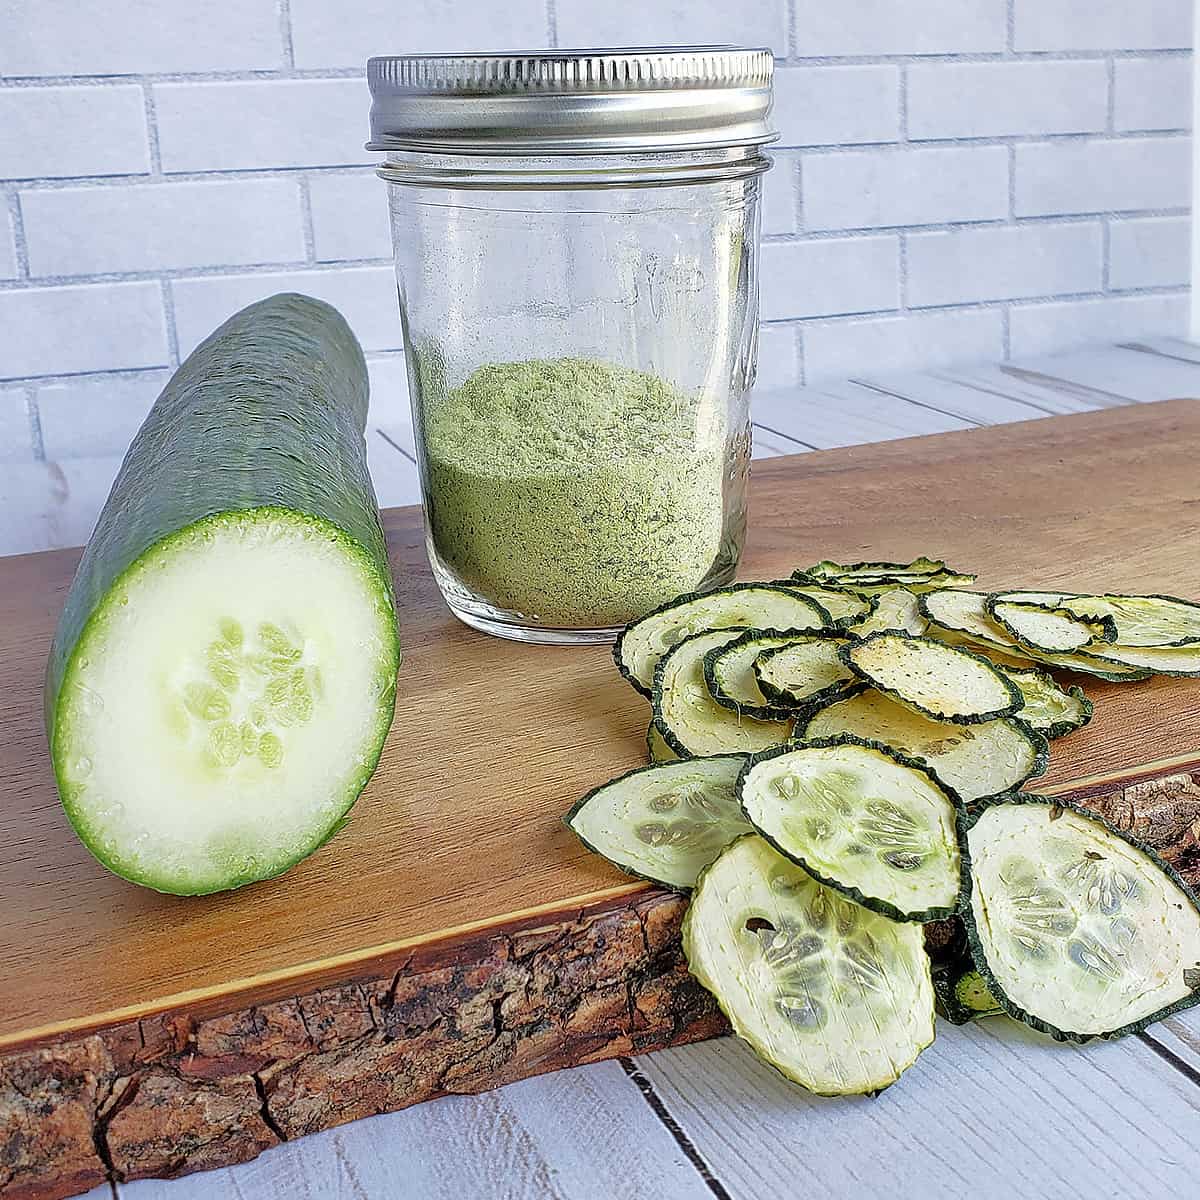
{"x": 663, "y": 98}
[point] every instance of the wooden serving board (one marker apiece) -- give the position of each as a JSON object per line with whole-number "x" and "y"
{"x": 455, "y": 936}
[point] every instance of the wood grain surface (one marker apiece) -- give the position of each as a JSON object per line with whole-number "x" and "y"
{"x": 460, "y": 828}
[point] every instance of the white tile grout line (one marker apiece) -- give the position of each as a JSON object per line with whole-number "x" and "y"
{"x": 552, "y": 23}
{"x": 34, "y": 419}
{"x": 285, "y": 35}
{"x": 306, "y": 221}
{"x": 1010, "y": 29}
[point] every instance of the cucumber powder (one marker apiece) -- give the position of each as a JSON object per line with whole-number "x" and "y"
{"x": 575, "y": 492}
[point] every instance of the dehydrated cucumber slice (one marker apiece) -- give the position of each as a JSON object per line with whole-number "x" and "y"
{"x": 896, "y": 608}
{"x": 1141, "y": 620}
{"x": 1146, "y": 660}
{"x": 1078, "y": 930}
{"x": 729, "y": 675}
{"x": 806, "y": 673}
{"x": 835, "y": 997}
{"x": 657, "y": 750}
{"x": 1053, "y": 710}
{"x": 959, "y": 617}
{"x": 691, "y": 722}
{"x": 919, "y": 574}
{"x": 945, "y": 683}
{"x": 863, "y": 819}
{"x": 1043, "y": 628}
{"x": 843, "y": 604}
{"x": 664, "y": 823}
{"x": 973, "y": 760}
{"x": 744, "y": 605}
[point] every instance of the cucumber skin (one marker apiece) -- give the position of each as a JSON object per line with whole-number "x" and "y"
{"x": 268, "y": 413}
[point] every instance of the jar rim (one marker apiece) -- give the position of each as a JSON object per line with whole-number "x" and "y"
{"x": 651, "y": 100}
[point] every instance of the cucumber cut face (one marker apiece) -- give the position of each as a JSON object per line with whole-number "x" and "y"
{"x": 806, "y": 673}
{"x": 729, "y": 675}
{"x": 974, "y": 761}
{"x": 835, "y": 997}
{"x": 657, "y": 750}
{"x": 898, "y": 609}
{"x": 691, "y": 722}
{"x": 226, "y": 702}
{"x": 664, "y": 823}
{"x": 863, "y": 819}
{"x": 1078, "y": 930}
{"x": 743, "y": 606}
{"x": 1054, "y": 630}
{"x": 1051, "y": 709}
{"x": 944, "y": 683}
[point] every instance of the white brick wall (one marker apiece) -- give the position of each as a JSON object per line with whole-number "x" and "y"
{"x": 976, "y": 180}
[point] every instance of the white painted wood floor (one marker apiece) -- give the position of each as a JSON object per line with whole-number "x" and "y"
{"x": 989, "y": 1111}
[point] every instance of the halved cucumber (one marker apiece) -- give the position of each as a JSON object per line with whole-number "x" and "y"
{"x": 806, "y": 673}
{"x": 843, "y": 604}
{"x": 691, "y": 722}
{"x": 744, "y": 605}
{"x": 1050, "y": 708}
{"x": 1147, "y": 620}
{"x": 918, "y": 575}
{"x": 657, "y": 750}
{"x": 944, "y": 683}
{"x": 664, "y": 823}
{"x": 835, "y": 997}
{"x": 863, "y": 819}
{"x": 1078, "y": 930}
{"x": 972, "y": 760}
{"x": 1051, "y": 630}
{"x": 895, "y": 608}
{"x": 731, "y": 681}
{"x": 223, "y": 674}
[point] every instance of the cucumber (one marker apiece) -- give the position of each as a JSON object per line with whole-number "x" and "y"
{"x": 1050, "y": 708}
{"x": 944, "y": 683}
{"x": 837, "y": 998}
{"x": 1077, "y": 929}
{"x": 730, "y": 676}
{"x": 806, "y": 673}
{"x": 919, "y": 575}
{"x": 657, "y": 750}
{"x": 895, "y": 608}
{"x": 962, "y": 992}
{"x": 664, "y": 823}
{"x": 861, "y": 818}
{"x": 744, "y": 605}
{"x": 974, "y": 761}
{"x": 1147, "y": 620}
{"x": 843, "y": 604}
{"x": 223, "y": 673}
{"x": 1042, "y": 627}
{"x": 691, "y": 722}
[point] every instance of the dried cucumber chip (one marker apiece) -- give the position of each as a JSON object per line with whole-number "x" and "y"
{"x": 944, "y": 683}
{"x": 843, "y": 604}
{"x": 1043, "y": 628}
{"x": 1146, "y": 620}
{"x": 863, "y": 819}
{"x": 962, "y": 992}
{"x": 744, "y": 605}
{"x": 691, "y": 722}
{"x": 731, "y": 681}
{"x": 917, "y": 575}
{"x": 835, "y": 997}
{"x": 1078, "y": 930}
{"x": 1051, "y": 709}
{"x": 895, "y": 608}
{"x": 972, "y": 760}
{"x": 664, "y": 823}
{"x": 806, "y": 672}
{"x": 657, "y": 750}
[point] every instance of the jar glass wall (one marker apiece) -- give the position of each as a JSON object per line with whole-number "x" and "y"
{"x": 581, "y": 339}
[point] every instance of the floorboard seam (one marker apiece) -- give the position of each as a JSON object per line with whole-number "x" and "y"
{"x": 1169, "y": 1056}
{"x": 673, "y": 1127}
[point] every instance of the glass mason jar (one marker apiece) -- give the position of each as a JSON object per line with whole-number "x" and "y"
{"x": 576, "y": 248}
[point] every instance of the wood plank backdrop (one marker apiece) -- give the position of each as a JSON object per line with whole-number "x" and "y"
{"x": 455, "y": 937}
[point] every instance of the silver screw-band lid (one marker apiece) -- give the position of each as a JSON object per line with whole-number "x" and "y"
{"x": 664, "y": 98}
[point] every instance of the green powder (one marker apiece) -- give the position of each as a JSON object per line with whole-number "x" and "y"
{"x": 574, "y": 492}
